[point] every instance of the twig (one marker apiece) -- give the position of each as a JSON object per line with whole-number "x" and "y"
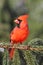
{"x": 22, "y": 47}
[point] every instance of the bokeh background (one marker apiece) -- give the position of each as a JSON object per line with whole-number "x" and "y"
{"x": 35, "y": 20}
{"x": 11, "y": 9}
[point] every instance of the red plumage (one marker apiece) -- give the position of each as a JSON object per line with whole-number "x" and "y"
{"x": 19, "y": 34}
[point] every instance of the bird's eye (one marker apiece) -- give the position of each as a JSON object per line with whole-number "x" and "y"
{"x": 19, "y": 20}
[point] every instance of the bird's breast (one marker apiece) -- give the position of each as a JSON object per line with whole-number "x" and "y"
{"x": 19, "y": 34}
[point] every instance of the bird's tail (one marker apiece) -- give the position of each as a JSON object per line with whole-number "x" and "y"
{"x": 11, "y": 53}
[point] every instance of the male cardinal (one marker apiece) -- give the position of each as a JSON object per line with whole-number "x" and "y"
{"x": 19, "y": 33}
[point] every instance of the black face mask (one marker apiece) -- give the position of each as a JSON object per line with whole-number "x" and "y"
{"x": 18, "y": 25}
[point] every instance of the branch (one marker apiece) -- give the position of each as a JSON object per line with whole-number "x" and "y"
{"x": 22, "y": 47}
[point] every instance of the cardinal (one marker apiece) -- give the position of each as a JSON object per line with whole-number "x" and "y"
{"x": 19, "y": 33}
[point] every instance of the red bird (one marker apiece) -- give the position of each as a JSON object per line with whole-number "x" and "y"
{"x": 19, "y": 33}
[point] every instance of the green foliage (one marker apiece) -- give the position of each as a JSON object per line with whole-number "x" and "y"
{"x": 30, "y": 56}
{"x": 35, "y": 22}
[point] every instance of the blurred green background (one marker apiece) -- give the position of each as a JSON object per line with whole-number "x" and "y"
{"x": 35, "y": 20}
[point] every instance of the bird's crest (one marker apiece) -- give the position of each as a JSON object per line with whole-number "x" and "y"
{"x": 23, "y": 17}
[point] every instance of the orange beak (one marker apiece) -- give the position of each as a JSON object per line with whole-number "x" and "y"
{"x": 16, "y": 21}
